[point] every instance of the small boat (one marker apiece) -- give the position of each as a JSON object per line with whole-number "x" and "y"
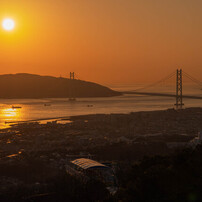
{"x": 72, "y": 99}
{"x": 89, "y": 105}
{"x": 47, "y": 104}
{"x": 16, "y": 107}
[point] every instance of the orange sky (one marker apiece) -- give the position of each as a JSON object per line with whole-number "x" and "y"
{"x": 105, "y": 41}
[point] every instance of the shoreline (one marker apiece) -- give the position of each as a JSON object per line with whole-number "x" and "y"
{"x": 91, "y": 132}
{"x": 38, "y": 120}
{"x": 74, "y": 117}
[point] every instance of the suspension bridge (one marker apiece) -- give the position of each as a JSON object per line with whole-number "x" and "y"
{"x": 179, "y": 75}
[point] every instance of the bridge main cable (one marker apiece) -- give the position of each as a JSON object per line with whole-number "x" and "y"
{"x": 199, "y": 83}
{"x": 156, "y": 83}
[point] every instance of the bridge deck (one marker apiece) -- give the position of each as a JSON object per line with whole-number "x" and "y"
{"x": 162, "y": 94}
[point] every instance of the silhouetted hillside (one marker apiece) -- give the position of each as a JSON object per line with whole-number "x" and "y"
{"x": 35, "y": 86}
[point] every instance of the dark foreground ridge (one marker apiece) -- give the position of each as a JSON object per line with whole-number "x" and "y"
{"x": 36, "y": 86}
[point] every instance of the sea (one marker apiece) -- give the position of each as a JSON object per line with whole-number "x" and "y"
{"x": 49, "y": 109}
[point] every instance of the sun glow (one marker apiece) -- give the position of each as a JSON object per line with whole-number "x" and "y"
{"x": 10, "y": 115}
{"x": 8, "y": 24}
{"x": 10, "y": 112}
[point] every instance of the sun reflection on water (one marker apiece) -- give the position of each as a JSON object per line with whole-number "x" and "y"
{"x": 10, "y": 114}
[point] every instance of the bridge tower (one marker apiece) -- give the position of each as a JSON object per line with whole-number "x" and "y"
{"x": 71, "y": 87}
{"x": 179, "y": 102}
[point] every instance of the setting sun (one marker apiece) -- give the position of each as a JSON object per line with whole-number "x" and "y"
{"x": 8, "y": 24}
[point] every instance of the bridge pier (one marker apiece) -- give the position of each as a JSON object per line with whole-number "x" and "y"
{"x": 179, "y": 102}
{"x": 71, "y": 87}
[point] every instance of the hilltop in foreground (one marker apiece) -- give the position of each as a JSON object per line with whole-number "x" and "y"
{"x": 36, "y": 86}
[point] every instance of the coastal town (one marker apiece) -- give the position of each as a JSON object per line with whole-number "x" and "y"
{"x": 115, "y": 138}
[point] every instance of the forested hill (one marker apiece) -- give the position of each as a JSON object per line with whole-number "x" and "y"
{"x": 35, "y": 86}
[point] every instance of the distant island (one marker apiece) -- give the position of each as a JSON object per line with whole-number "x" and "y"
{"x": 29, "y": 86}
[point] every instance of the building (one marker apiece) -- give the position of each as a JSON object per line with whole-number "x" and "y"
{"x": 90, "y": 169}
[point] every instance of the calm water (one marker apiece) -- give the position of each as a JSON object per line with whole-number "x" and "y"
{"x": 33, "y": 109}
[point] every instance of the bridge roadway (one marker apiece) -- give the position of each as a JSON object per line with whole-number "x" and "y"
{"x": 162, "y": 94}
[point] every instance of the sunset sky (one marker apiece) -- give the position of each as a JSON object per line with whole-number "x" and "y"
{"x": 105, "y": 41}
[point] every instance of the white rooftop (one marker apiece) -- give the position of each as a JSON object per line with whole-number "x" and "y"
{"x": 88, "y": 163}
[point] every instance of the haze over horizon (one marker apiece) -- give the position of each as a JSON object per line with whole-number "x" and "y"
{"x": 108, "y": 41}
